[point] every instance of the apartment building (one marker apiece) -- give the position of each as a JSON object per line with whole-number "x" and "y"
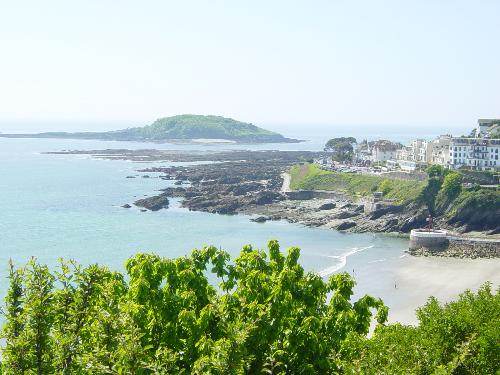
{"x": 440, "y": 150}
{"x": 421, "y": 151}
{"x": 475, "y": 153}
{"x": 384, "y": 150}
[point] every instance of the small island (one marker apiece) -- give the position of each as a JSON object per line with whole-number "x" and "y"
{"x": 178, "y": 128}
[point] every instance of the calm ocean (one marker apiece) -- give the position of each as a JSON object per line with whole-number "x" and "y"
{"x": 68, "y": 206}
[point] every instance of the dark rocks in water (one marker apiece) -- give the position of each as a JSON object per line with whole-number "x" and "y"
{"x": 146, "y": 176}
{"x": 228, "y": 209}
{"x": 143, "y": 210}
{"x": 345, "y": 215}
{"x": 346, "y": 225}
{"x": 130, "y": 177}
{"x": 242, "y": 189}
{"x": 174, "y": 192}
{"x": 126, "y": 205}
{"x": 391, "y": 225}
{"x": 154, "y": 203}
{"x": 327, "y": 206}
{"x": 230, "y": 180}
{"x": 261, "y": 219}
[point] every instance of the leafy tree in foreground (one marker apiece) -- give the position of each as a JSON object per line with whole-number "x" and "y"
{"x": 268, "y": 316}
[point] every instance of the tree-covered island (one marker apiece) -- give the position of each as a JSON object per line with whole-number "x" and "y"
{"x": 178, "y": 128}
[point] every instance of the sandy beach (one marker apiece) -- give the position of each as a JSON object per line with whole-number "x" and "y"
{"x": 444, "y": 278}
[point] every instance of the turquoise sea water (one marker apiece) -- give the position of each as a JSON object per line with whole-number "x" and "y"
{"x": 68, "y": 206}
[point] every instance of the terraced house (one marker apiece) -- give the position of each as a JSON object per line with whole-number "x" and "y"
{"x": 475, "y": 153}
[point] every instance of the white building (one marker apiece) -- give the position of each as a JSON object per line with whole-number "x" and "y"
{"x": 384, "y": 150}
{"x": 440, "y": 150}
{"x": 405, "y": 154}
{"x": 407, "y": 165}
{"x": 421, "y": 151}
{"x": 475, "y": 153}
{"x": 485, "y": 126}
{"x": 362, "y": 152}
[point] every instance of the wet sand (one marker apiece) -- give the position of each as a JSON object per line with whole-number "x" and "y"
{"x": 444, "y": 278}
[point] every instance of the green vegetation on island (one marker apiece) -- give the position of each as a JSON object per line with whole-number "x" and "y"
{"x": 267, "y": 316}
{"x": 181, "y": 127}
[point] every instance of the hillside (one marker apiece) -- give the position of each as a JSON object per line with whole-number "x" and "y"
{"x": 455, "y": 206}
{"x": 311, "y": 177}
{"x": 181, "y": 127}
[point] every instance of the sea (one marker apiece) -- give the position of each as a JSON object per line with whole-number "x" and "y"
{"x": 69, "y": 206}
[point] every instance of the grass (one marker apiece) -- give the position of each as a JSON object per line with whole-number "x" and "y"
{"x": 311, "y": 177}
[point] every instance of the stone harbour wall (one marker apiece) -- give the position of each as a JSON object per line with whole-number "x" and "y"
{"x": 460, "y": 248}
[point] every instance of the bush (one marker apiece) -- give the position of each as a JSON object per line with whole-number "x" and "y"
{"x": 456, "y": 338}
{"x": 476, "y": 201}
{"x": 268, "y": 316}
{"x": 429, "y": 193}
{"x": 450, "y": 189}
{"x": 452, "y": 184}
{"x": 385, "y": 186}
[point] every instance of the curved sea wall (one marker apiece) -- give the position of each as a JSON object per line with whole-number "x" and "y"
{"x": 439, "y": 243}
{"x": 434, "y": 240}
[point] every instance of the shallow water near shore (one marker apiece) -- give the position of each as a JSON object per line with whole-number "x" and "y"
{"x": 69, "y": 206}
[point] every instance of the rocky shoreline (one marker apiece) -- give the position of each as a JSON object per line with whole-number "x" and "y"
{"x": 252, "y": 183}
{"x": 463, "y": 248}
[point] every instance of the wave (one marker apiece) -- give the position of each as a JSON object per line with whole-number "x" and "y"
{"x": 343, "y": 261}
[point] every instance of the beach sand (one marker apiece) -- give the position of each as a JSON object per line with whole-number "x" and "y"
{"x": 444, "y": 278}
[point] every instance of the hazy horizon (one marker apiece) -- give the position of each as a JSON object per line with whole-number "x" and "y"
{"x": 283, "y": 65}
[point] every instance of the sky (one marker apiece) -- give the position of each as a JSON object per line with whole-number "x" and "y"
{"x": 102, "y": 64}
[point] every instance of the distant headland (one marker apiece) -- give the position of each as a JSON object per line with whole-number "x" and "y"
{"x": 178, "y": 128}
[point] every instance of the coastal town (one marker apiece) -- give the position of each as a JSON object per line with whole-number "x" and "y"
{"x": 370, "y": 186}
{"x": 478, "y": 151}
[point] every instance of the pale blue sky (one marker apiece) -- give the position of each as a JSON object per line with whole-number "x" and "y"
{"x": 99, "y": 64}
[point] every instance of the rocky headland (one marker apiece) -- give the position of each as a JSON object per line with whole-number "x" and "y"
{"x": 256, "y": 183}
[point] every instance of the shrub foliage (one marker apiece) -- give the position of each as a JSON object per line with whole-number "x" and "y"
{"x": 267, "y": 316}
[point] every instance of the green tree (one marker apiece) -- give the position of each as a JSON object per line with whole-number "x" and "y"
{"x": 268, "y": 314}
{"x": 341, "y": 148}
{"x": 452, "y": 184}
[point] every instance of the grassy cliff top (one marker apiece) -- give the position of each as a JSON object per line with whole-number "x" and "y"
{"x": 311, "y": 177}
